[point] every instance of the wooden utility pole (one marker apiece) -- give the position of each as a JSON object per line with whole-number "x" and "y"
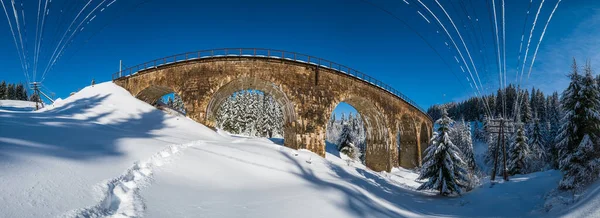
{"x": 36, "y": 90}
{"x": 504, "y": 151}
{"x": 498, "y": 127}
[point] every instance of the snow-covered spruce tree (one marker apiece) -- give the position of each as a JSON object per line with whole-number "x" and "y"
{"x": 525, "y": 108}
{"x": 170, "y": 102}
{"x": 443, "y": 167}
{"x": 345, "y": 144}
{"x": 537, "y": 157}
{"x": 3, "y": 94}
{"x": 554, "y": 118}
{"x": 178, "y": 103}
{"x": 225, "y": 116}
{"x": 460, "y": 135}
{"x": 262, "y": 121}
{"x": 467, "y": 148}
{"x": 519, "y": 152}
{"x": 578, "y": 136}
{"x": 456, "y": 134}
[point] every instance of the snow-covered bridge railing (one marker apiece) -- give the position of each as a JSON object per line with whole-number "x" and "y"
{"x": 266, "y": 53}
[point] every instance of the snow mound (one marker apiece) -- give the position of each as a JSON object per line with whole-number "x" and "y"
{"x": 583, "y": 204}
{"x": 55, "y": 160}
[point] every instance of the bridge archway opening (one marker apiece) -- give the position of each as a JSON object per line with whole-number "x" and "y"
{"x": 251, "y": 95}
{"x": 163, "y": 98}
{"x": 375, "y": 148}
{"x": 409, "y": 153}
{"x": 251, "y": 113}
{"x": 346, "y": 128}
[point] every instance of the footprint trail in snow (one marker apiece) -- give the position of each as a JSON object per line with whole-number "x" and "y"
{"x": 121, "y": 194}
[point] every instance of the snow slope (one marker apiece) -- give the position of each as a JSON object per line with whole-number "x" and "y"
{"x": 575, "y": 205}
{"x": 103, "y": 153}
{"x": 56, "y": 160}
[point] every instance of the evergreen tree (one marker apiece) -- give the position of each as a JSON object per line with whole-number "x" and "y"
{"x": 467, "y": 149}
{"x": 225, "y": 116}
{"x": 20, "y": 92}
{"x": 511, "y": 95}
{"x": 460, "y": 135}
{"x": 3, "y": 94}
{"x": 541, "y": 106}
{"x": 579, "y": 132}
{"x": 525, "y": 108}
{"x": 500, "y": 103}
{"x": 537, "y": 148}
{"x": 345, "y": 136}
{"x": 443, "y": 167}
{"x": 271, "y": 116}
{"x": 533, "y": 101}
{"x": 178, "y": 103}
{"x": 170, "y": 102}
{"x": 11, "y": 92}
{"x": 554, "y": 116}
{"x": 519, "y": 153}
{"x": 24, "y": 94}
{"x": 331, "y": 120}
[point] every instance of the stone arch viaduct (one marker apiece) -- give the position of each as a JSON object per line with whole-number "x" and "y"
{"x": 307, "y": 88}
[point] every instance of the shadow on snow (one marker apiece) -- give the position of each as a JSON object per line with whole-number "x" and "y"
{"x": 58, "y": 134}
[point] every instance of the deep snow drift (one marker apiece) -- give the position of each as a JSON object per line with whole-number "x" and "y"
{"x": 103, "y": 153}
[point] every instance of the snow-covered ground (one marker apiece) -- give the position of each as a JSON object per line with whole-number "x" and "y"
{"x": 16, "y": 105}
{"x": 103, "y": 153}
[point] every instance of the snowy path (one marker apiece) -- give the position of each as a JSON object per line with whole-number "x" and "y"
{"x": 121, "y": 198}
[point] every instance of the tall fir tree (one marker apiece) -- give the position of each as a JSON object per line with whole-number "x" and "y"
{"x": 537, "y": 157}
{"x": 11, "y": 92}
{"x": 554, "y": 117}
{"x": 178, "y": 103}
{"x": 3, "y": 94}
{"x": 578, "y": 135}
{"x": 525, "y": 108}
{"x": 20, "y": 92}
{"x": 443, "y": 167}
{"x": 24, "y": 96}
{"x": 460, "y": 134}
{"x": 519, "y": 152}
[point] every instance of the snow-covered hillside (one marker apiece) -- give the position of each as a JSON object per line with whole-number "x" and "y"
{"x": 102, "y": 152}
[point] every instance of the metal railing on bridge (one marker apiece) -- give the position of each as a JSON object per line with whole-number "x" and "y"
{"x": 264, "y": 53}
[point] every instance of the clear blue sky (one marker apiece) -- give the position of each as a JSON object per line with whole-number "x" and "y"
{"x": 350, "y": 32}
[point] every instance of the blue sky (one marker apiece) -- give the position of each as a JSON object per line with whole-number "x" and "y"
{"x": 350, "y": 32}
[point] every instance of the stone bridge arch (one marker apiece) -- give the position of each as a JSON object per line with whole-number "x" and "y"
{"x": 254, "y": 83}
{"x": 308, "y": 90}
{"x": 376, "y": 126}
